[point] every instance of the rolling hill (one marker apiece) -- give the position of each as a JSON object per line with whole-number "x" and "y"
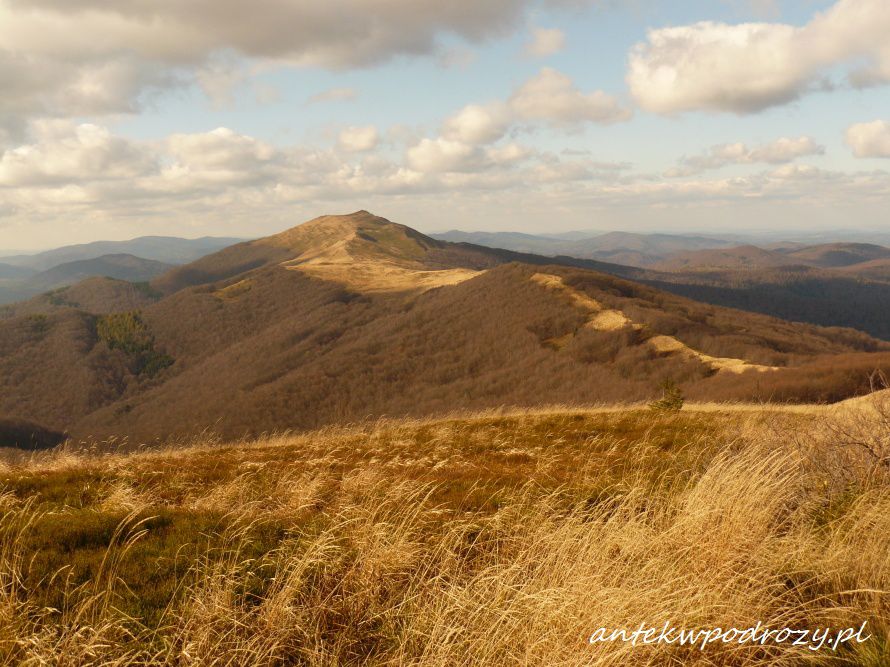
{"x": 836, "y": 284}
{"x": 625, "y": 248}
{"x": 166, "y": 249}
{"x": 25, "y": 276}
{"x": 878, "y": 269}
{"x": 796, "y": 293}
{"x": 349, "y": 317}
{"x": 97, "y": 296}
{"x": 836, "y": 255}
{"x": 121, "y": 266}
{"x": 830, "y": 285}
{"x": 10, "y": 272}
{"x": 741, "y": 257}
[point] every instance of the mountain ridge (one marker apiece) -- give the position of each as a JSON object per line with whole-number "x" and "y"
{"x": 309, "y": 327}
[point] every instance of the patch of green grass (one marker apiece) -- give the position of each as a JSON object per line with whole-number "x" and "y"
{"x": 72, "y": 546}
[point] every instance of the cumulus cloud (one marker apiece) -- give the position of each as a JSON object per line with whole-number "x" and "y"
{"x": 785, "y": 150}
{"x": 545, "y": 42}
{"x": 65, "y": 153}
{"x": 551, "y": 96}
{"x": 220, "y": 150}
{"x": 469, "y": 139}
{"x": 358, "y": 139}
{"x": 66, "y": 58}
{"x": 478, "y": 124}
{"x": 346, "y": 33}
{"x": 74, "y": 174}
{"x": 869, "y": 139}
{"x": 444, "y": 155}
{"x": 42, "y": 86}
{"x": 749, "y": 67}
{"x": 780, "y": 151}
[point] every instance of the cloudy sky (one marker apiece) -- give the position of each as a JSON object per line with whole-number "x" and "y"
{"x": 121, "y": 118}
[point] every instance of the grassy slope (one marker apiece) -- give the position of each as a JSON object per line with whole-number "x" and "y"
{"x": 488, "y": 539}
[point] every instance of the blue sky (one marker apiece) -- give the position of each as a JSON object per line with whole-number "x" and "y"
{"x": 151, "y": 118}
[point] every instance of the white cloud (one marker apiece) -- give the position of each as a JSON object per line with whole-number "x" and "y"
{"x": 469, "y": 139}
{"x": 35, "y": 85}
{"x": 83, "y": 178}
{"x": 869, "y": 139}
{"x": 785, "y": 150}
{"x": 444, "y": 155}
{"x": 545, "y": 42}
{"x": 346, "y": 33}
{"x": 358, "y": 139}
{"x": 780, "y": 151}
{"x": 749, "y": 67}
{"x": 216, "y": 159}
{"x": 64, "y": 153}
{"x": 551, "y": 96}
{"x": 67, "y": 58}
{"x": 477, "y": 124}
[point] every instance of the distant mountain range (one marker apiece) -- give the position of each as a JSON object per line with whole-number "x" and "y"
{"x": 616, "y": 247}
{"x": 348, "y": 317}
{"x": 137, "y": 260}
{"x": 166, "y": 249}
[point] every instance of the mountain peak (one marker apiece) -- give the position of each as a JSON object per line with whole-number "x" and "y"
{"x": 362, "y": 250}
{"x": 359, "y": 235}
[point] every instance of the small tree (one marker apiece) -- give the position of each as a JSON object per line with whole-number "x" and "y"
{"x": 671, "y": 398}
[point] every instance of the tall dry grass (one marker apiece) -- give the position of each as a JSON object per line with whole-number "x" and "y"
{"x": 482, "y": 541}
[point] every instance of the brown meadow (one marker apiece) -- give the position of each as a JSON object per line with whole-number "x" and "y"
{"x": 495, "y": 538}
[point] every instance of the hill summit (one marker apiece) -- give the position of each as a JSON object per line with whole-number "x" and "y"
{"x": 361, "y": 250}
{"x": 348, "y": 317}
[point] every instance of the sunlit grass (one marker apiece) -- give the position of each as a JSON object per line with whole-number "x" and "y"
{"x": 477, "y": 539}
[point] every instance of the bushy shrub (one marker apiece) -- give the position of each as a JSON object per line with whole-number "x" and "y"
{"x": 671, "y": 398}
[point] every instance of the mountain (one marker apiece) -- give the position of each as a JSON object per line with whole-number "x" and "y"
{"x": 835, "y": 255}
{"x": 853, "y": 258}
{"x": 361, "y": 249}
{"x": 530, "y": 243}
{"x": 121, "y": 267}
{"x": 837, "y": 284}
{"x": 741, "y": 257}
{"x": 24, "y": 276}
{"x": 878, "y": 269}
{"x": 10, "y": 272}
{"x": 830, "y": 284}
{"x": 616, "y": 247}
{"x": 166, "y": 249}
{"x": 348, "y": 317}
{"x": 797, "y": 293}
{"x": 96, "y": 296}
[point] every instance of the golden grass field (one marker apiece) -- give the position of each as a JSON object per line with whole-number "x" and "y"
{"x": 492, "y": 539}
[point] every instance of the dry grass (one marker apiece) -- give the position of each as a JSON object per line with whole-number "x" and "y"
{"x": 492, "y": 539}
